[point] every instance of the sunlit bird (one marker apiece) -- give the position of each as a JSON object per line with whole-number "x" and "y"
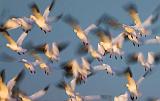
{"x": 15, "y": 46}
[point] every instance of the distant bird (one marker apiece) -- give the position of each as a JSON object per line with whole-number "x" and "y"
{"x": 32, "y": 97}
{"x": 69, "y": 88}
{"x": 155, "y": 40}
{"x": 128, "y": 30}
{"x": 141, "y": 28}
{"x": 132, "y": 85}
{"x": 6, "y": 89}
{"x": 147, "y": 64}
{"x": 52, "y": 52}
{"x": 123, "y": 97}
{"x": 108, "y": 44}
{"x": 43, "y": 21}
{"x": 94, "y": 53}
{"x": 90, "y": 97}
{"x": 104, "y": 67}
{"x": 81, "y": 34}
{"x": 30, "y": 65}
{"x": 41, "y": 63}
{"x": 80, "y": 72}
{"x": 15, "y": 46}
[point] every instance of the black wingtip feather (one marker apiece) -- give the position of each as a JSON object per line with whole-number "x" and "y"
{"x": 130, "y": 7}
{"x": 46, "y": 88}
{"x": 52, "y": 4}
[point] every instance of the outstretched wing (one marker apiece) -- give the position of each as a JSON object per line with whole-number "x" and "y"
{"x": 39, "y": 94}
{"x": 48, "y": 9}
{"x": 21, "y": 38}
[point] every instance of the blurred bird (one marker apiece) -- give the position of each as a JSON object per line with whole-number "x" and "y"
{"x": 128, "y": 30}
{"x": 141, "y": 28}
{"x": 69, "y": 88}
{"x": 6, "y": 89}
{"x": 52, "y": 52}
{"x": 108, "y": 44}
{"x": 34, "y": 96}
{"x": 81, "y": 34}
{"x": 94, "y": 53}
{"x": 147, "y": 64}
{"x": 15, "y": 46}
{"x": 43, "y": 21}
{"x": 90, "y": 98}
{"x": 30, "y": 65}
{"x": 40, "y": 62}
{"x": 132, "y": 85}
{"x": 104, "y": 67}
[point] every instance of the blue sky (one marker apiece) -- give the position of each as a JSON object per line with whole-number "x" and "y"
{"x": 87, "y": 12}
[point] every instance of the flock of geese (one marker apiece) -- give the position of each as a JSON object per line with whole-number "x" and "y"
{"x": 79, "y": 72}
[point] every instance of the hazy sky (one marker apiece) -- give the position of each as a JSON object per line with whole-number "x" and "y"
{"x": 87, "y": 12}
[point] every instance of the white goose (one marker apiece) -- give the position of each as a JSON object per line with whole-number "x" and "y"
{"x": 41, "y": 63}
{"x": 132, "y": 85}
{"x": 43, "y": 20}
{"x": 141, "y": 28}
{"x": 30, "y": 65}
{"x": 104, "y": 67}
{"x": 81, "y": 34}
{"x": 34, "y": 96}
{"x": 6, "y": 89}
{"x": 52, "y": 52}
{"x": 15, "y": 46}
{"x": 148, "y": 63}
{"x": 110, "y": 45}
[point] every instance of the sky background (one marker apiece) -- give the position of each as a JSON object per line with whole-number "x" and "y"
{"x": 87, "y": 12}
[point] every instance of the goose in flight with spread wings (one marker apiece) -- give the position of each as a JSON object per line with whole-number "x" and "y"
{"x": 110, "y": 45}
{"x": 43, "y": 21}
{"x": 141, "y": 28}
{"x": 81, "y": 34}
{"x": 41, "y": 63}
{"x": 128, "y": 30}
{"x": 15, "y": 46}
{"x": 53, "y": 52}
{"x": 132, "y": 85}
{"x": 148, "y": 63}
{"x": 6, "y": 89}
{"x": 23, "y": 97}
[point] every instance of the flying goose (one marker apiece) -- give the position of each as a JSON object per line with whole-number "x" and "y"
{"x": 132, "y": 85}
{"x": 38, "y": 60}
{"x": 15, "y": 46}
{"x": 33, "y": 97}
{"x": 43, "y": 20}
{"x": 81, "y": 34}
{"x": 148, "y": 63}
{"x": 52, "y": 52}
{"x": 6, "y": 89}
{"x": 141, "y": 28}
